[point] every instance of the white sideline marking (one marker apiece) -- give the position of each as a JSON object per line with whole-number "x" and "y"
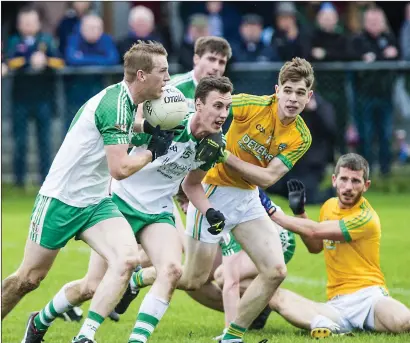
{"x": 322, "y": 283}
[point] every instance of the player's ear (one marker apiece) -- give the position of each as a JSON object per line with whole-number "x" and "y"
{"x": 334, "y": 181}
{"x": 367, "y": 185}
{"x": 276, "y": 89}
{"x": 196, "y": 59}
{"x": 141, "y": 75}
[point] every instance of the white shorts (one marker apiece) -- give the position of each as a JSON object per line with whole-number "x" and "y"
{"x": 357, "y": 309}
{"x": 237, "y": 205}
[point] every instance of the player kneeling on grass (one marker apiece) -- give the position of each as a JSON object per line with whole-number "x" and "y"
{"x": 349, "y": 233}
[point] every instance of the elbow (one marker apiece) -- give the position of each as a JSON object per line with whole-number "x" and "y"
{"x": 314, "y": 250}
{"x": 118, "y": 173}
{"x": 186, "y": 187}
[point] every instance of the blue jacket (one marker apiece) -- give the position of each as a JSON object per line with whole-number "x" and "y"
{"x": 81, "y": 53}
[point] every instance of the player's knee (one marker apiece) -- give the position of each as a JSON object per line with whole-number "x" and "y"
{"x": 28, "y": 281}
{"x": 404, "y": 324}
{"x": 195, "y": 283}
{"x": 219, "y": 277}
{"x": 127, "y": 263}
{"x": 277, "y": 301}
{"x": 88, "y": 289}
{"x": 275, "y": 274}
{"x": 172, "y": 272}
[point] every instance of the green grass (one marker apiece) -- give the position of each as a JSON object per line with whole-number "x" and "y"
{"x": 186, "y": 320}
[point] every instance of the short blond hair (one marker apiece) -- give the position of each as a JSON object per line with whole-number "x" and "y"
{"x": 139, "y": 57}
{"x": 296, "y": 70}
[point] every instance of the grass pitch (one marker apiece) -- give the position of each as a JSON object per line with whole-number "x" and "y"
{"x": 186, "y": 321}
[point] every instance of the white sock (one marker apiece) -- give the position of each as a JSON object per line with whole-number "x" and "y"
{"x": 324, "y": 322}
{"x": 90, "y": 325}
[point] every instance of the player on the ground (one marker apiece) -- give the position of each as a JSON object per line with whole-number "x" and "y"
{"x": 349, "y": 233}
{"x": 269, "y": 136}
{"x": 74, "y": 201}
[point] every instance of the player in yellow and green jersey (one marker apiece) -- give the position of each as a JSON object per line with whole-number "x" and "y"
{"x": 349, "y": 233}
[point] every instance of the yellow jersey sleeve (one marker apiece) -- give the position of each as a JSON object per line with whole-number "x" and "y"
{"x": 301, "y": 142}
{"x": 245, "y": 106}
{"x": 359, "y": 225}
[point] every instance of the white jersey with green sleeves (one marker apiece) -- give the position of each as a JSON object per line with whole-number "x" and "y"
{"x": 186, "y": 83}
{"x": 79, "y": 175}
{"x": 151, "y": 189}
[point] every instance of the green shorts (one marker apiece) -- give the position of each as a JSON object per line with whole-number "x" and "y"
{"x": 53, "y": 223}
{"x": 231, "y": 246}
{"x": 138, "y": 220}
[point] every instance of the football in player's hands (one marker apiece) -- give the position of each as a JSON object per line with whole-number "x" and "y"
{"x": 296, "y": 196}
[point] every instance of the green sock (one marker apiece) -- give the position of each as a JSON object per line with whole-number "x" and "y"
{"x": 233, "y": 333}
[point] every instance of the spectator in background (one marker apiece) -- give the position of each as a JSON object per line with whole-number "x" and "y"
{"x": 405, "y": 35}
{"x": 224, "y": 18}
{"x": 374, "y": 88}
{"x": 32, "y": 95}
{"x": 320, "y": 118}
{"x": 329, "y": 44}
{"x": 251, "y": 48}
{"x": 198, "y": 27}
{"x": 88, "y": 47}
{"x": 289, "y": 40}
{"x": 141, "y": 24}
{"x": 71, "y": 22}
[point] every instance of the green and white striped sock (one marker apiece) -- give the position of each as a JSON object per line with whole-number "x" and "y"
{"x": 90, "y": 326}
{"x": 151, "y": 311}
{"x": 59, "y": 304}
{"x": 137, "y": 280}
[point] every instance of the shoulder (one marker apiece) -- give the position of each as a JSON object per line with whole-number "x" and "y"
{"x": 180, "y": 79}
{"x": 302, "y": 129}
{"x": 244, "y": 99}
{"x": 330, "y": 203}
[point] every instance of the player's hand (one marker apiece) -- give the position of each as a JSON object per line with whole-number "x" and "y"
{"x": 223, "y": 156}
{"x": 216, "y": 219}
{"x": 209, "y": 148}
{"x": 160, "y": 142}
{"x": 296, "y": 196}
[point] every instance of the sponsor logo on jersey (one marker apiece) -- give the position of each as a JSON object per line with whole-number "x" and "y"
{"x": 260, "y": 128}
{"x": 121, "y": 127}
{"x": 256, "y": 149}
{"x": 282, "y": 146}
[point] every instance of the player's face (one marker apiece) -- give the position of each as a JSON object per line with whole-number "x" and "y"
{"x": 210, "y": 64}
{"x": 292, "y": 97}
{"x": 214, "y": 111}
{"x": 350, "y": 186}
{"x": 157, "y": 79}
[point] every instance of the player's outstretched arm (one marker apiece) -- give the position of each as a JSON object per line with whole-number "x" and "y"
{"x": 262, "y": 177}
{"x": 121, "y": 165}
{"x": 306, "y": 227}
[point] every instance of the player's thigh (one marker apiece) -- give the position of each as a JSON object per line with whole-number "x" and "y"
{"x": 260, "y": 239}
{"x": 247, "y": 268}
{"x": 114, "y": 240}
{"x": 179, "y": 223}
{"x": 145, "y": 262}
{"x": 37, "y": 261}
{"x": 199, "y": 259}
{"x": 390, "y": 315}
{"x": 162, "y": 244}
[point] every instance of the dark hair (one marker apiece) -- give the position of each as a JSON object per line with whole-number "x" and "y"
{"x": 211, "y": 83}
{"x": 212, "y": 44}
{"x": 139, "y": 57}
{"x": 354, "y": 162}
{"x": 296, "y": 70}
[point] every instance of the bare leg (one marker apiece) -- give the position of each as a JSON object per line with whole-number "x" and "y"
{"x": 391, "y": 315}
{"x": 114, "y": 240}
{"x": 36, "y": 263}
{"x": 260, "y": 240}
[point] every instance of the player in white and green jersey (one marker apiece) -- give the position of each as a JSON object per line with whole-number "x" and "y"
{"x": 145, "y": 198}
{"x": 74, "y": 202}
{"x": 211, "y": 54}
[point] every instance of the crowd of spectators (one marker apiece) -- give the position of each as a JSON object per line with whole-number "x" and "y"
{"x": 258, "y": 32}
